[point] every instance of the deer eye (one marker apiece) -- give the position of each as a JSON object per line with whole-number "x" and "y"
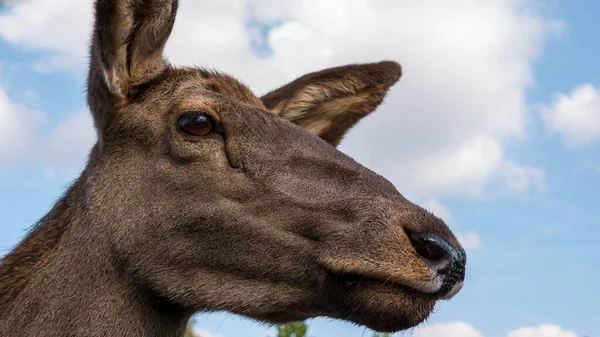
{"x": 195, "y": 123}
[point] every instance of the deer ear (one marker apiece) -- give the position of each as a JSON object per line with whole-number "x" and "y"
{"x": 128, "y": 41}
{"x": 330, "y": 102}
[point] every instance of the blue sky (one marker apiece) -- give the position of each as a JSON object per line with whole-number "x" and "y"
{"x": 531, "y": 214}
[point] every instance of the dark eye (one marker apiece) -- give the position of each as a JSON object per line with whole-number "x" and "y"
{"x": 195, "y": 123}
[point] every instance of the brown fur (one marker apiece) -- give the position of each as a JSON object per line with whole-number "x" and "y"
{"x": 330, "y": 102}
{"x": 262, "y": 218}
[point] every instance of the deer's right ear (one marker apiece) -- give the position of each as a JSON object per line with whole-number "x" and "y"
{"x": 330, "y": 102}
{"x": 127, "y": 44}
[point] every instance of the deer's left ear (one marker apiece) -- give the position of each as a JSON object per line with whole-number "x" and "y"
{"x": 330, "y": 102}
{"x": 128, "y": 41}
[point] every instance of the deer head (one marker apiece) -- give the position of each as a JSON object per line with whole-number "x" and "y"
{"x": 214, "y": 199}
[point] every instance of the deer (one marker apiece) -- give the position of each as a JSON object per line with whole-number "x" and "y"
{"x": 200, "y": 196}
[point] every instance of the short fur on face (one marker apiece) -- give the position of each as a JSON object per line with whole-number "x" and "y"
{"x": 264, "y": 217}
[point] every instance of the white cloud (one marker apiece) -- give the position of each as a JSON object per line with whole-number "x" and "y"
{"x": 461, "y": 168}
{"x": 441, "y": 211}
{"x": 522, "y": 178}
{"x": 70, "y": 141}
{"x": 441, "y": 131}
{"x": 204, "y": 333}
{"x": 9, "y": 2}
{"x": 469, "y": 240}
{"x": 452, "y": 329}
{"x": 546, "y": 330}
{"x": 462, "y": 329}
{"x": 576, "y": 116}
{"x": 23, "y": 142}
{"x": 17, "y": 125}
{"x": 59, "y": 26}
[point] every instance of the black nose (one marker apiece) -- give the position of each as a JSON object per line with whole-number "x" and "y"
{"x": 442, "y": 258}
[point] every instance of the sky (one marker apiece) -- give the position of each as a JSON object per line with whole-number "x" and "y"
{"x": 495, "y": 127}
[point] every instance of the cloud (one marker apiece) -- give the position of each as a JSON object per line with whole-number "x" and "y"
{"x": 69, "y": 142}
{"x": 522, "y": 178}
{"x": 22, "y": 140}
{"x": 443, "y": 128}
{"x": 204, "y": 333}
{"x": 435, "y": 207}
{"x": 59, "y": 26}
{"x": 9, "y": 2}
{"x": 469, "y": 240}
{"x": 546, "y": 330}
{"x": 452, "y": 329}
{"x": 16, "y": 128}
{"x": 462, "y": 329}
{"x": 575, "y": 116}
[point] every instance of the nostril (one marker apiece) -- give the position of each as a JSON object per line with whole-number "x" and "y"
{"x": 446, "y": 262}
{"x": 433, "y": 249}
{"x": 431, "y": 252}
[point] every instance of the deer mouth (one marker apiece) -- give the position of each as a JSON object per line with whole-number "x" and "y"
{"x": 381, "y": 305}
{"x": 436, "y": 289}
{"x": 352, "y": 281}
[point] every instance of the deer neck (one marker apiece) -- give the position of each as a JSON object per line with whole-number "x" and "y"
{"x": 62, "y": 280}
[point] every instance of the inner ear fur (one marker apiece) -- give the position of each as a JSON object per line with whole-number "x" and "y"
{"x": 330, "y": 102}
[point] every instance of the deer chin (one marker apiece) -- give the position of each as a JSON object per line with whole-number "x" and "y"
{"x": 381, "y": 305}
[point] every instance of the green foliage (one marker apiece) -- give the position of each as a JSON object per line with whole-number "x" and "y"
{"x": 379, "y": 334}
{"x": 297, "y": 329}
{"x": 188, "y": 331}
